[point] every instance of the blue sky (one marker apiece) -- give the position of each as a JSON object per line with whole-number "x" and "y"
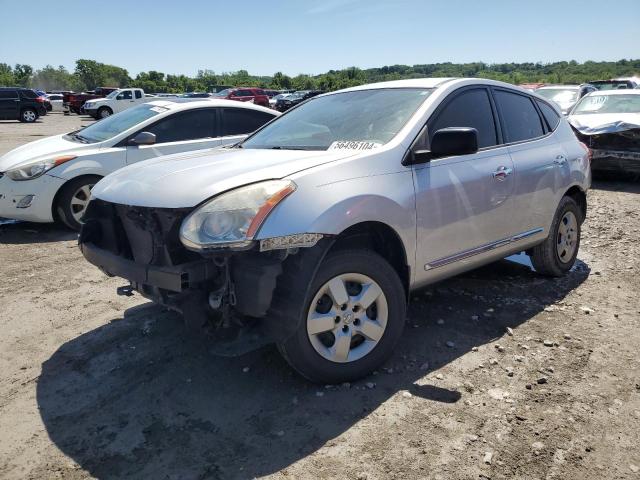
{"x": 313, "y": 37}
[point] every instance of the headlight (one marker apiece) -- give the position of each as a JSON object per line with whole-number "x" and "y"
{"x": 36, "y": 169}
{"x": 233, "y": 218}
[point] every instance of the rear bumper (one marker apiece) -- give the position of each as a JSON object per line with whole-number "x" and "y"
{"x": 177, "y": 278}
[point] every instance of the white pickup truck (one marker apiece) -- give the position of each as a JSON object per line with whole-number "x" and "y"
{"x": 116, "y": 101}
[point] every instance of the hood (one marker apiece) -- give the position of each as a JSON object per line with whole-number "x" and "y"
{"x": 598, "y": 123}
{"x": 41, "y": 149}
{"x": 185, "y": 180}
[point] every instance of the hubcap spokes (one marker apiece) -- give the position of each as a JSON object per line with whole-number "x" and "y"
{"x": 79, "y": 201}
{"x": 567, "y": 239}
{"x": 347, "y": 318}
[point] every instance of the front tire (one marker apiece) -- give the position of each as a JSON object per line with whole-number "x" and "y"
{"x": 73, "y": 199}
{"x": 28, "y": 115}
{"x": 557, "y": 254}
{"x": 104, "y": 112}
{"x": 353, "y": 315}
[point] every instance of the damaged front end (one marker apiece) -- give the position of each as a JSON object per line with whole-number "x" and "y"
{"x": 220, "y": 291}
{"x": 614, "y": 147}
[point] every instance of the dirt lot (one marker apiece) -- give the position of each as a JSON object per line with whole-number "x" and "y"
{"x": 500, "y": 374}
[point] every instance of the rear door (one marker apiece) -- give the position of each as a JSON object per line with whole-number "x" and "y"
{"x": 463, "y": 202}
{"x": 180, "y": 132}
{"x": 237, "y": 123}
{"x": 9, "y": 103}
{"x": 540, "y": 162}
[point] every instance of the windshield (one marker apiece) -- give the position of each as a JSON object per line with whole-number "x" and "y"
{"x": 223, "y": 93}
{"x": 113, "y": 94}
{"x": 608, "y": 104}
{"x": 559, "y": 95}
{"x": 373, "y": 116}
{"x": 116, "y": 124}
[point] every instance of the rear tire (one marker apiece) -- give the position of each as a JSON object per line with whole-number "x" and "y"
{"x": 73, "y": 199}
{"x": 345, "y": 336}
{"x": 104, "y": 112}
{"x": 28, "y": 115}
{"x": 557, "y": 254}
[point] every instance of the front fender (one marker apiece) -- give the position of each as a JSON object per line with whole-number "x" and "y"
{"x": 99, "y": 164}
{"x": 332, "y": 208}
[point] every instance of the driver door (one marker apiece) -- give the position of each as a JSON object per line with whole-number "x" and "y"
{"x": 123, "y": 101}
{"x": 462, "y": 202}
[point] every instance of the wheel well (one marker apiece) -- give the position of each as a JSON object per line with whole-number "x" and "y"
{"x": 580, "y": 198}
{"x": 380, "y": 238}
{"x": 103, "y": 107}
{"x": 54, "y": 204}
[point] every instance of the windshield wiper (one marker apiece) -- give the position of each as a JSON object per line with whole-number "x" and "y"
{"x": 80, "y": 138}
{"x": 292, "y": 147}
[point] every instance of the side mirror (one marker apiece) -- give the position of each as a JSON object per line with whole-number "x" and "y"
{"x": 448, "y": 142}
{"x": 143, "y": 138}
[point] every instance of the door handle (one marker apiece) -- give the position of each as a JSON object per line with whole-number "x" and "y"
{"x": 560, "y": 160}
{"x": 501, "y": 173}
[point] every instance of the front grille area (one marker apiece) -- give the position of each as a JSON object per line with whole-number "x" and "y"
{"x": 148, "y": 236}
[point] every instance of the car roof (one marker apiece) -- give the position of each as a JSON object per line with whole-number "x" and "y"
{"x": 567, "y": 87}
{"x": 621, "y": 91}
{"x": 176, "y": 104}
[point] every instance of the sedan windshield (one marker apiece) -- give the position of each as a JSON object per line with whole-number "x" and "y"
{"x": 560, "y": 95}
{"x": 608, "y": 104}
{"x": 373, "y": 116}
{"x": 116, "y": 124}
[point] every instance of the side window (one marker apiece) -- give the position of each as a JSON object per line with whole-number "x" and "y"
{"x": 184, "y": 126}
{"x": 126, "y": 95}
{"x": 519, "y": 115}
{"x": 471, "y": 108}
{"x": 138, "y": 94}
{"x": 238, "y": 121}
{"x": 8, "y": 94}
{"x": 28, "y": 94}
{"x": 549, "y": 115}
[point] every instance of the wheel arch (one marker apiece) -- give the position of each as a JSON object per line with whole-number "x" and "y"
{"x": 382, "y": 239}
{"x": 56, "y": 197}
{"x": 580, "y": 198}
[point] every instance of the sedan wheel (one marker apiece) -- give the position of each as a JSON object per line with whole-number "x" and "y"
{"x": 79, "y": 201}
{"x": 347, "y": 318}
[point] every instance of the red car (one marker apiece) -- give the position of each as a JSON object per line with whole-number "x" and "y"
{"x": 245, "y": 94}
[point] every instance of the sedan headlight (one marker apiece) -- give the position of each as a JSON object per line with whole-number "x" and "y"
{"x": 36, "y": 169}
{"x": 233, "y": 218}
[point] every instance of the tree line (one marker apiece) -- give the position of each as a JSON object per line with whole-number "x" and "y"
{"x": 89, "y": 74}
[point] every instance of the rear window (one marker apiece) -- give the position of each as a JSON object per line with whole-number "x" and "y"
{"x": 520, "y": 118}
{"x": 549, "y": 115}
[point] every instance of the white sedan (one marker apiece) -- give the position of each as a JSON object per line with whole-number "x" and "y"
{"x": 51, "y": 179}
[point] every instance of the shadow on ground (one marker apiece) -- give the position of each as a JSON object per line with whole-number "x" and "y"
{"x": 136, "y": 398}
{"x": 17, "y": 233}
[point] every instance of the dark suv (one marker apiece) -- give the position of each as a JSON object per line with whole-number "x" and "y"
{"x": 21, "y": 104}
{"x": 284, "y": 104}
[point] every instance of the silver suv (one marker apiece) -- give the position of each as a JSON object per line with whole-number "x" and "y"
{"x": 312, "y": 232}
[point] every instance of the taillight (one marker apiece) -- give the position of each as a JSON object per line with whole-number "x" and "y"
{"x": 40, "y": 99}
{"x": 587, "y": 151}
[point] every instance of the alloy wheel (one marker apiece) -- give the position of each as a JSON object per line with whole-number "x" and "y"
{"x": 79, "y": 201}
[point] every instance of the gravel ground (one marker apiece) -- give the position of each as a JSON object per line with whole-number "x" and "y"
{"x": 500, "y": 374}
